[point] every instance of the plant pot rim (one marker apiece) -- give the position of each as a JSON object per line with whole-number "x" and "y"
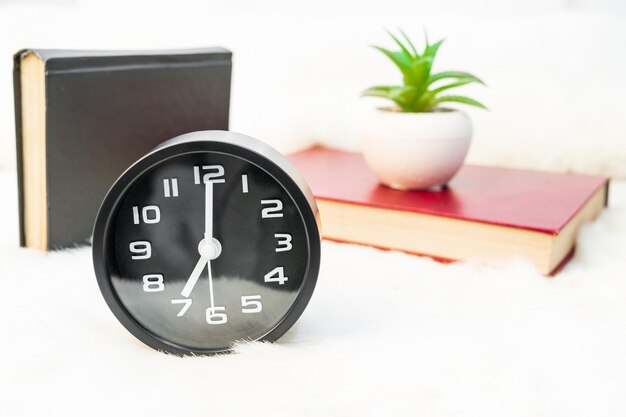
{"x": 438, "y": 111}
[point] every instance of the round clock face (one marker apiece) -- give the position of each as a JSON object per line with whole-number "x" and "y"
{"x": 206, "y": 244}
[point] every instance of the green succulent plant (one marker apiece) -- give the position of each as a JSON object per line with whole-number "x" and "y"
{"x": 422, "y": 90}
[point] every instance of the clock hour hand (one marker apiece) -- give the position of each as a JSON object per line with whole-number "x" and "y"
{"x": 193, "y": 278}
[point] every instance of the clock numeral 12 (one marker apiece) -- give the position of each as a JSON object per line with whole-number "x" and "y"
{"x": 214, "y": 174}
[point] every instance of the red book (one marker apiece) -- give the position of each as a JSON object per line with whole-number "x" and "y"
{"x": 485, "y": 213}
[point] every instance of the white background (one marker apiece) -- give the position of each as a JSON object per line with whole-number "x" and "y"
{"x": 555, "y": 68}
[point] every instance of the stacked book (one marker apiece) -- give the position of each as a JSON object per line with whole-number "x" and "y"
{"x": 485, "y": 213}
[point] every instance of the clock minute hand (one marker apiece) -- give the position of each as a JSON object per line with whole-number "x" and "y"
{"x": 208, "y": 211}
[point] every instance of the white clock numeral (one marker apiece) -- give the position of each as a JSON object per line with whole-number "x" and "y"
{"x": 153, "y": 283}
{"x": 141, "y": 249}
{"x": 213, "y": 315}
{"x": 187, "y": 304}
{"x": 149, "y": 215}
{"x": 244, "y": 183}
{"x": 284, "y": 242}
{"x": 274, "y": 209}
{"x": 251, "y": 304}
{"x": 214, "y": 174}
{"x": 170, "y": 187}
{"x": 276, "y": 275}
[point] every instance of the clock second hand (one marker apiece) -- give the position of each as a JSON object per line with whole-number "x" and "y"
{"x": 208, "y": 234}
{"x": 208, "y": 264}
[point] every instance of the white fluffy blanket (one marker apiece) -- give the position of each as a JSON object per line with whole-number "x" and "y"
{"x": 386, "y": 334}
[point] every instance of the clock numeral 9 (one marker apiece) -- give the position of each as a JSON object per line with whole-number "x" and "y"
{"x": 251, "y": 304}
{"x": 149, "y": 215}
{"x": 216, "y": 171}
{"x": 153, "y": 283}
{"x": 276, "y": 275}
{"x": 214, "y": 315}
{"x": 274, "y": 209}
{"x": 141, "y": 249}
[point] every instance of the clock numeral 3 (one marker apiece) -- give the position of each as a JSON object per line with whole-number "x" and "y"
{"x": 274, "y": 209}
{"x": 186, "y": 304}
{"x": 214, "y": 315}
{"x": 214, "y": 174}
{"x": 276, "y": 275}
{"x": 149, "y": 215}
{"x": 141, "y": 249}
{"x": 251, "y": 304}
{"x": 153, "y": 283}
{"x": 284, "y": 242}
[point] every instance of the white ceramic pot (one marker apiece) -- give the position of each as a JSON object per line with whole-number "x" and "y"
{"x": 415, "y": 150}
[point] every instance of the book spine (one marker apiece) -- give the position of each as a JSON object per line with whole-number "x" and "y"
{"x": 17, "y": 98}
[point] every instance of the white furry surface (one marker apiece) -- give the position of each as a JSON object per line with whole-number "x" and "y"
{"x": 386, "y": 334}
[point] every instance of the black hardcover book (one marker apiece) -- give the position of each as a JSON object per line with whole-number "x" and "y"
{"x": 83, "y": 117}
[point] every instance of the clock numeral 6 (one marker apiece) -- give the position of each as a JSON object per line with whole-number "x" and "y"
{"x": 214, "y": 174}
{"x": 284, "y": 242}
{"x": 141, "y": 249}
{"x": 214, "y": 315}
{"x": 276, "y": 275}
{"x": 251, "y": 304}
{"x": 274, "y": 209}
{"x": 149, "y": 215}
{"x": 153, "y": 283}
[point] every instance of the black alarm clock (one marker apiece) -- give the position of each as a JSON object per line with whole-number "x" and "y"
{"x": 210, "y": 239}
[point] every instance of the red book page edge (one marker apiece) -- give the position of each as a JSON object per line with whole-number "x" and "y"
{"x": 551, "y": 274}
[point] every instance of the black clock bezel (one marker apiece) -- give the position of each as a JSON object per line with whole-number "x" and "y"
{"x": 230, "y": 143}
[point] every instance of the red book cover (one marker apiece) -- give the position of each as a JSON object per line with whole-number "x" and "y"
{"x": 533, "y": 200}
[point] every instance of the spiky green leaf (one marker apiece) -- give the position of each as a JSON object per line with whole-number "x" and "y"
{"x": 419, "y": 72}
{"x": 408, "y": 41}
{"x": 405, "y": 64}
{"x": 431, "y": 50}
{"x": 403, "y": 48}
{"x": 455, "y": 84}
{"x": 398, "y": 58}
{"x": 459, "y": 99}
{"x": 402, "y": 95}
{"x": 414, "y": 95}
{"x": 454, "y": 74}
